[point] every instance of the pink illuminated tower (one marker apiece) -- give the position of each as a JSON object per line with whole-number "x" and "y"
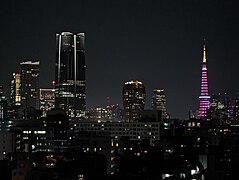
{"x": 204, "y": 96}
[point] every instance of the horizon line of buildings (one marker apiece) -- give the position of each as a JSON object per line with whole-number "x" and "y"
{"x": 68, "y": 88}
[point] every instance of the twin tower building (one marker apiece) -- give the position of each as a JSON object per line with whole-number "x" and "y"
{"x": 70, "y": 92}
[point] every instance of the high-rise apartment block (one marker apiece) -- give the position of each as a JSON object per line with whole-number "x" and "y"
{"x": 30, "y": 85}
{"x": 70, "y": 81}
{"x": 159, "y": 102}
{"x": 133, "y": 99}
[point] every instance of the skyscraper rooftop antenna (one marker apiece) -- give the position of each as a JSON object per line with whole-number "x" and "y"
{"x": 204, "y": 51}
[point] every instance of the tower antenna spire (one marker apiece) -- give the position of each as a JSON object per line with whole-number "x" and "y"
{"x": 204, "y": 51}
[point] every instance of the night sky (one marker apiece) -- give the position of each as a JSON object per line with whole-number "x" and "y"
{"x": 158, "y": 42}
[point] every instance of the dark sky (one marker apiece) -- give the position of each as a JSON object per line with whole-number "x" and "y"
{"x": 158, "y": 42}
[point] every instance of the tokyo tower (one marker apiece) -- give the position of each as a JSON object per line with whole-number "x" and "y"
{"x": 204, "y": 97}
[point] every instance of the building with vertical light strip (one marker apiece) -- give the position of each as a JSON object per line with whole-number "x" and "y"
{"x": 16, "y": 89}
{"x": 204, "y": 96}
{"x": 70, "y": 81}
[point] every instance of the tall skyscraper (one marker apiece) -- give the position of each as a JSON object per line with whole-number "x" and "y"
{"x": 133, "y": 99}
{"x": 16, "y": 90}
{"x": 204, "y": 96}
{"x": 159, "y": 102}
{"x": 30, "y": 85}
{"x": 70, "y": 80}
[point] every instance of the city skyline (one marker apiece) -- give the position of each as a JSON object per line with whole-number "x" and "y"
{"x": 158, "y": 43}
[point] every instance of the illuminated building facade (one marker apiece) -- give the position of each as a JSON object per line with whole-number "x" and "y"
{"x": 47, "y": 100}
{"x": 222, "y": 109}
{"x": 16, "y": 90}
{"x": 110, "y": 113}
{"x": 30, "y": 85}
{"x": 116, "y": 129}
{"x": 159, "y": 102}
{"x": 133, "y": 99}
{"x": 114, "y": 112}
{"x": 70, "y": 81}
{"x": 97, "y": 114}
{"x": 204, "y": 96}
{"x": 3, "y": 104}
{"x": 236, "y": 110}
